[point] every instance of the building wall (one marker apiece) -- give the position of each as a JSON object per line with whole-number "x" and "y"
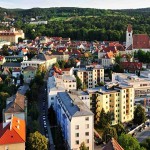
{"x": 69, "y": 128}
{"x": 20, "y": 115}
{"x": 84, "y": 126}
{"x": 18, "y": 146}
{"x": 91, "y": 78}
{"x": 121, "y": 104}
{"x": 50, "y": 62}
{"x": 28, "y": 75}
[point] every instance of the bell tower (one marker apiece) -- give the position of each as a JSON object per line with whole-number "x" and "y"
{"x": 129, "y": 38}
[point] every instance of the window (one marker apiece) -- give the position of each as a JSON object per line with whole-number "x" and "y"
{"x": 52, "y": 98}
{"x": 77, "y": 127}
{"x": 69, "y": 85}
{"x": 77, "y": 135}
{"x": 87, "y": 140}
{"x": 87, "y": 126}
{"x": 86, "y": 118}
{"x": 77, "y": 142}
{"x": 87, "y": 133}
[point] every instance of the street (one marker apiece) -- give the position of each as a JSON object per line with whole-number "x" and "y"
{"x": 143, "y": 135}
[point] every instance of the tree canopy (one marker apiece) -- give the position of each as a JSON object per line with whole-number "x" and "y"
{"x": 36, "y": 141}
{"x": 139, "y": 115}
{"x": 129, "y": 143}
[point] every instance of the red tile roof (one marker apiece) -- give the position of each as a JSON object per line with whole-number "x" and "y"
{"x": 131, "y": 65}
{"x": 13, "y": 132}
{"x": 141, "y": 41}
{"x": 1, "y": 58}
{"x": 112, "y": 145}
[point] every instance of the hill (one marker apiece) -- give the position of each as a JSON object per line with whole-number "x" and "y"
{"x": 79, "y": 23}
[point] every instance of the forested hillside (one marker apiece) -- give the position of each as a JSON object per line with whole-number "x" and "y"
{"x": 79, "y": 23}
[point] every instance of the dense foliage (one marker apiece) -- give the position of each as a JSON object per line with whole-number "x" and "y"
{"x": 139, "y": 115}
{"x": 37, "y": 141}
{"x": 129, "y": 143}
{"x": 80, "y": 23}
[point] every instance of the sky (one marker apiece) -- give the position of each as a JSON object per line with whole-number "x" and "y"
{"x": 101, "y": 4}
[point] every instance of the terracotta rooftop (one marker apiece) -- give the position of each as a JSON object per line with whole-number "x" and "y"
{"x": 13, "y": 132}
{"x": 112, "y": 145}
{"x": 141, "y": 41}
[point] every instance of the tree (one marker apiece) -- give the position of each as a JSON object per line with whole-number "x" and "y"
{"x": 120, "y": 129}
{"x": 83, "y": 146}
{"x": 36, "y": 141}
{"x": 105, "y": 119}
{"x": 79, "y": 84}
{"x": 35, "y": 126}
{"x": 139, "y": 115}
{"x": 129, "y": 143}
{"x": 108, "y": 133}
{"x": 5, "y": 50}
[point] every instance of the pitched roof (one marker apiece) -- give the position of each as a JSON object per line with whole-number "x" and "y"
{"x": 112, "y": 145}
{"x": 13, "y": 132}
{"x": 29, "y": 68}
{"x": 141, "y": 41}
{"x": 17, "y": 105}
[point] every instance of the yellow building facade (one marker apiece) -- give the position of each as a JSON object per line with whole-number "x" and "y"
{"x": 119, "y": 101}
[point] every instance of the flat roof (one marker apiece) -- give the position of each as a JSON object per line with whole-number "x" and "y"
{"x": 74, "y": 105}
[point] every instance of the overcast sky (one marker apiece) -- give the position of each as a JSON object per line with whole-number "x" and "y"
{"x": 102, "y": 4}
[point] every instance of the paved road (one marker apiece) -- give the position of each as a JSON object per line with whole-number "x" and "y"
{"x": 143, "y": 135}
{"x": 44, "y": 122}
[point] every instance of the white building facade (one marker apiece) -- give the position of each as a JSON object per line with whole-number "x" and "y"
{"x": 76, "y": 121}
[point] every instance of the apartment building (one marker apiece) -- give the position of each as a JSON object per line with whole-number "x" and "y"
{"x": 59, "y": 83}
{"x": 117, "y": 99}
{"x": 33, "y": 63}
{"x": 140, "y": 84}
{"x": 76, "y": 121}
{"x": 91, "y": 75}
{"x": 12, "y": 35}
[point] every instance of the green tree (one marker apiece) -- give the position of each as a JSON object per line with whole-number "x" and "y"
{"x": 5, "y": 50}
{"x": 108, "y": 133}
{"x": 120, "y": 129}
{"x": 35, "y": 126}
{"x": 36, "y": 141}
{"x": 105, "y": 119}
{"x": 79, "y": 84}
{"x": 139, "y": 115}
{"x": 129, "y": 143}
{"x": 83, "y": 146}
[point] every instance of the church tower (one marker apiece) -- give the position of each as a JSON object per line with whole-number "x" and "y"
{"x": 129, "y": 38}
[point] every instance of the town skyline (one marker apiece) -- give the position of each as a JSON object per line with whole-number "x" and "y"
{"x": 107, "y": 4}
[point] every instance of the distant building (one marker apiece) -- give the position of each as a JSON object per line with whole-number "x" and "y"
{"x": 136, "y": 41}
{"x": 33, "y": 63}
{"x": 38, "y": 22}
{"x": 91, "y": 75}
{"x": 12, "y": 35}
{"x": 76, "y": 121}
{"x": 59, "y": 83}
{"x": 13, "y": 134}
{"x": 29, "y": 73}
{"x": 4, "y": 43}
{"x": 141, "y": 84}
{"x": 16, "y": 105}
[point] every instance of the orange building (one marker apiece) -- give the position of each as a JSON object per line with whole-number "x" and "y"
{"x": 13, "y": 134}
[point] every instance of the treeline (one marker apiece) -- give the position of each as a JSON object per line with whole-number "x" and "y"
{"x": 82, "y": 23}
